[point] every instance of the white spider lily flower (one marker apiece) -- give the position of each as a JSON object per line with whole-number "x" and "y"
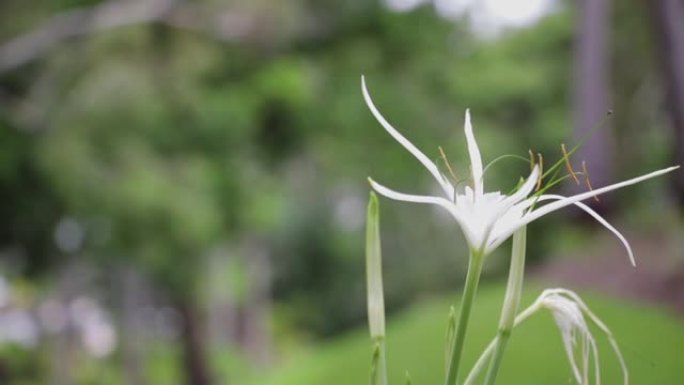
{"x": 487, "y": 219}
{"x": 569, "y": 312}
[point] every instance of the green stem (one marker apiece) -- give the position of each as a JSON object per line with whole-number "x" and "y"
{"x": 480, "y": 363}
{"x": 489, "y": 350}
{"x": 375, "y": 294}
{"x": 472, "y": 280}
{"x": 511, "y": 303}
{"x": 500, "y": 344}
{"x": 379, "y": 363}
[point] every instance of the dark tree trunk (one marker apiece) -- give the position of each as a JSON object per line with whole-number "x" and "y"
{"x": 4, "y": 373}
{"x": 223, "y": 307}
{"x": 258, "y": 305}
{"x": 72, "y": 281}
{"x": 131, "y": 298}
{"x": 668, "y": 24}
{"x": 592, "y": 96}
{"x": 194, "y": 352}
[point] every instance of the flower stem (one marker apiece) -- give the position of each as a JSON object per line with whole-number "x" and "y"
{"x": 489, "y": 350}
{"x": 511, "y": 303}
{"x": 472, "y": 280}
{"x": 375, "y": 294}
{"x": 378, "y": 363}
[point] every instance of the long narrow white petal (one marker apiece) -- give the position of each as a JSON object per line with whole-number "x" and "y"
{"x": 509, "y": 202}
{"x": 599, "y": 219}
{"x": 449, "y": 206}
{"x": 540, "y": 212}
{"x": 526, "y": 188}
{"x": 422, "y": 158}
{"x": 475, "y": 158}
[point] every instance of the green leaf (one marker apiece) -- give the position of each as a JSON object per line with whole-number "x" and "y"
{"x": 375, "y": 296}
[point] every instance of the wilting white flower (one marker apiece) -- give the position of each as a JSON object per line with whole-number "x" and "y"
{"x": 487, "y": 219}
{"x": 569, "y": 312}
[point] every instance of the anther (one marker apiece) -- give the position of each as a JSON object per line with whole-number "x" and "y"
{"x": 531, "y": 159}
{"x": 541, "y": 171}
{"x": 447, "y": 164}
{"x": 586, "y": 179}
{"x": 568, "y": 166}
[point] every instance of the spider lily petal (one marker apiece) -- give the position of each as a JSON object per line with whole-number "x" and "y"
{"x": 508, "y": 210}
{"x": 600, "y": 220}
{"x": 535, "y": 214}
{"x": 449, "y": 206}
{"x": 422, "y": 158}
{"x": 566, "y": 201}
{"x": 475, "y": 158}
{"x": 526, "y": 188}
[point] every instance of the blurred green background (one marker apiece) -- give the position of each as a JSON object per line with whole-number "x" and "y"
{"x": 183, "y": 183}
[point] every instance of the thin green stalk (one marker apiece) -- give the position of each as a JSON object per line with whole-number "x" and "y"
{"x": 472, "y": 280}
{"x": 378, "y": 374}
{"x": 375, "y": 295}
{"x": 489, "y": 350}
{"x": 511, "y": 303}
{"x": 480, "y": 363}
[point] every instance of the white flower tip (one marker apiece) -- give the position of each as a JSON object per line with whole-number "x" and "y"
{"x": 632, "y": 260}
{"x": 366, "y": 95}
{"x": 468, "y": 123}
{"x": 380, "y": 189}
{"x": 534, "y": 175}
{"x": 475, "y": 157}
{"x": 364, "y": 88}
{"x": 377, "y": 186}
{"x": 669, "y": 169}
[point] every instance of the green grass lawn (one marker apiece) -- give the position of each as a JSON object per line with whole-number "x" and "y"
{"x": 652, "y": 342}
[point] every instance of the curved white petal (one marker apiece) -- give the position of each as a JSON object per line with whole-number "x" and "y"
{"x": 475, "y": 158}
{"x": 598, "y": 218}
{"x": 502, "y": 223}
{"x": 422, "y": 158}
{"x": 540, "y": 212}
{"x": 533, "y": 215}
{"x": 526, "y": 188}
{"x": 499, "y": 217}
{"x": 449, "y": 206}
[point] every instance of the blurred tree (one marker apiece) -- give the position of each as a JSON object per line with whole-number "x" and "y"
{"x": 31, "y": 209}
{"x": 170, "y": 129}
{"x": 592, "y": 95}
{"x": 667, "y": 16}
